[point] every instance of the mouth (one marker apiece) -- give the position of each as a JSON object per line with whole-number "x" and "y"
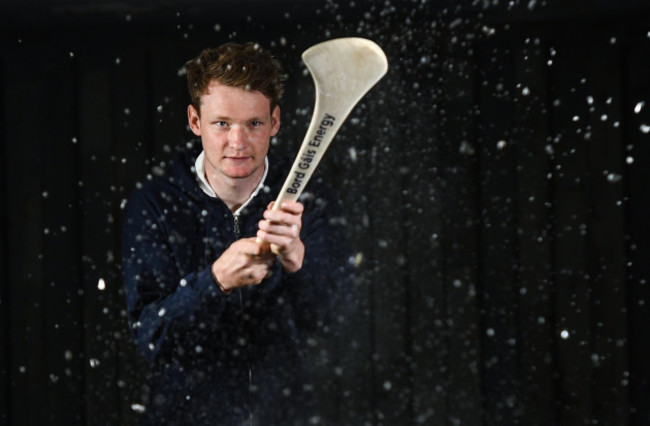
{"x": 238, "y": 159}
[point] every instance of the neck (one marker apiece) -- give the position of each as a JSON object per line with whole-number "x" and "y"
{"x": 234, "y": 191}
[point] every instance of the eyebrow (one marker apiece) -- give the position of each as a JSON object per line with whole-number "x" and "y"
{"x": 226, "y": 118}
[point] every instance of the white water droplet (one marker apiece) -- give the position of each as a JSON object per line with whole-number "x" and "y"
{"x": 138, "y": 408}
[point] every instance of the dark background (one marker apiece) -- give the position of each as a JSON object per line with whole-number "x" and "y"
{"x": 493, "y": 182}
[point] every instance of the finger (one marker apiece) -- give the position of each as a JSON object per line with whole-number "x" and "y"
{"x": 268, "y": 227}
{"x": 256, "y": 274}
{"x": 276, "y": 217}
{"x": 253, "y": 249}
{"x": 293, "y": 207}
{"x": 277, "y": 243}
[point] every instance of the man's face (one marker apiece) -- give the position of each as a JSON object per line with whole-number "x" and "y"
{"x": 235, "y": 126}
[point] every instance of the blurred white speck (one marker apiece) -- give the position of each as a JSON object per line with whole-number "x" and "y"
{"x": 183, "y": 282}
{"x": 353, "y": 153}
{"x": 217, "y": 27}
{"x": 576, "y": 118}
{"x": 22, "y": 369}
{"x": 638, "y": 107}
{"x": 603, "y": 117}
{"x": 123, "y": 203}
{"x": 629, "y": 160}
{"x": 644, "y": 128}
{"x": 490, "y": 332}
{"x": 614, "y": 177}
{"x": 101, "y": 285}
{"x": 138, "y": 408}
{"x": 127, "y": 111}
{"x": 118, "y": 61}
{"x": 94, "y": 362}
{"x": 159, "y": 109}
{"x": 466, "y": 148}
{"x": 501, "y": 144}
{"x": 487, "y": 30}
{"x": 458, "y": 283}
{"x": 71, "y": 54}
{"x": 590, "y": 100}
{"x": 388, "y": 385}
{"x": 564, "y": 334}
{"x": 161, "y": 312}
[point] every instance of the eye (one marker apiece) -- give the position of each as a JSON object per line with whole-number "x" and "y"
{"x": 220, "y": 123}
{"x": 256, "y": 123}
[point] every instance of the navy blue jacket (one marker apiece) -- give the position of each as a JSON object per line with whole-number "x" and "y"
{"x": 227, "y": 358}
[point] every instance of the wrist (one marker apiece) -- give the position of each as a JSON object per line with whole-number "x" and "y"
{"x": 292, "y": 261}
{"x": 217, "y": 282}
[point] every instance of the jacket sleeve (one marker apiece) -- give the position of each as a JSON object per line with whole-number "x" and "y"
{"x": 323, "y": 292}
{"x": 172, "y": 314}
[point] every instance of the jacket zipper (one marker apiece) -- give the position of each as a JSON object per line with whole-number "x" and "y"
{"x": 241, "y": 303}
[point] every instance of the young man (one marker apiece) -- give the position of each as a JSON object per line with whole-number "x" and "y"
{"x": 222, "y": 291}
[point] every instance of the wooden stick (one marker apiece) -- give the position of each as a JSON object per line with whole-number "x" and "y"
{"x": 343, "y": 70}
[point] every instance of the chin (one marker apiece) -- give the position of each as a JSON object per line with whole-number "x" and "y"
{"x": 238, "y": 173}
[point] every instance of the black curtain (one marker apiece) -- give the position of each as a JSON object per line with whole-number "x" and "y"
{"x": 493, "y": 185}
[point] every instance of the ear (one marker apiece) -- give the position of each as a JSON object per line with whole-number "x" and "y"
{"x": 275, "y": 120}
{"x": 194, "y": 120}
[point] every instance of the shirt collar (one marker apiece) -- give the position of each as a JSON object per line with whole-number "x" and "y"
{"x": 207, "y": 189}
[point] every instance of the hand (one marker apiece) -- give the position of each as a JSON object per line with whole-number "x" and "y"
{"x": 244, "y": 263}
{"x": 281, "y": 230}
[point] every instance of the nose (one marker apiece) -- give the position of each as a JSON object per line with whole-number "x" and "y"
{"x": 237, "y": 137}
